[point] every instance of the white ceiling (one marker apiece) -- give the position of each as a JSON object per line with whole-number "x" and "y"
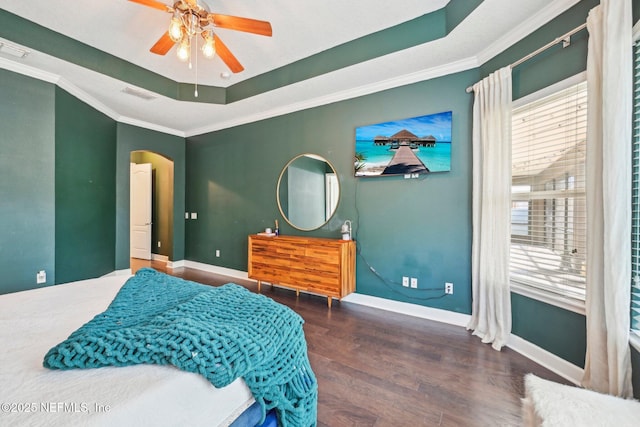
{"x": 301, "y": 28}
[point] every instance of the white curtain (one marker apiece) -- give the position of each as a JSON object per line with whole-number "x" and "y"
{"x": 491, "y": 309}
{"x": 608, "y": 187}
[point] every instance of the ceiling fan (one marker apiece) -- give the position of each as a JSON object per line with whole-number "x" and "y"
{"x": 191, "y": 18}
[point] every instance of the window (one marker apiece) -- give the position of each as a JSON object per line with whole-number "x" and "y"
{"x": 635, "y": 195}
{"x": 548, "y": 208}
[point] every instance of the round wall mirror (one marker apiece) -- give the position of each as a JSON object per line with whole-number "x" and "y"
{"x": 308, "y": 192}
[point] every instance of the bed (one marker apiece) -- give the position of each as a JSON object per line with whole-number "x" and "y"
{"x": 39, "y": 325}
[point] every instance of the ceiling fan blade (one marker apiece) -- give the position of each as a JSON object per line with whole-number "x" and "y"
{"x": 154, "y": 4}
{"x": 163, "y": 45}
{"x": 227, "y": 57}
{"x": 237, "y": 23}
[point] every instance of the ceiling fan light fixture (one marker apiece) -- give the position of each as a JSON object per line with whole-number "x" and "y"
{"x": 184, "y": 49}
{"x": 190, "y": 18}
{"x": 175, "y": 29}
{"x": 191, "y": 24}
{"x": 208, "y": 48}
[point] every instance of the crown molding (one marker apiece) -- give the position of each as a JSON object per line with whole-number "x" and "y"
{"x": 83, "y": 96}
{"x": 151, "y": 126}
{"x": 523, "y": 30}
{"x": 28, "y": 71}
{"x": 427, "y": 74}
{"x": 86, "y": 98}
{"x": 57, "y": 80}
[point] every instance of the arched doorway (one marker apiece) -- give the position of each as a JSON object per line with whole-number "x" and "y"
{"x": 160, "y": 233}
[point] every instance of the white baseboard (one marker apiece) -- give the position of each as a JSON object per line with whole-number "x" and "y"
{"x": 542, "y": 357}
{"x": 162, "y": 258}
{"x": 415, "y": 310}
{"x": 175, "y": 264}
{"x": 238, "y": 274}
{"x": 565, "y": 369}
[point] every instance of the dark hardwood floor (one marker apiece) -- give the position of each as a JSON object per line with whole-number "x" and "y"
{"x": 378, "y": 368}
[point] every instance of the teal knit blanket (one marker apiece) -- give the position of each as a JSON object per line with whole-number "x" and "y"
{"x": 221, "y": 333}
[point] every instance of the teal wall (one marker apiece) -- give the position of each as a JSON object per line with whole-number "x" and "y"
{"x": 635, "y": 372}
{"x": 85, "y": 192}
{"x": 64, "y": 185}
{"x": 27, "y": 192}
{"x": 422, "y": 29}
{"x": 559, "y": 331}
{"x": 131, "y": 138}
{"x": 57, "y": 186}
{"x": 419, "y": 228}
{"x": 553, "y": 65}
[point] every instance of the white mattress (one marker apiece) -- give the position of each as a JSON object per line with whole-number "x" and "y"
{"x": 31, "y": 322}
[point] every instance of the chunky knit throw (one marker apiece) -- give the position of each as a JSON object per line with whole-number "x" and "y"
{"x": 221, "y": 333}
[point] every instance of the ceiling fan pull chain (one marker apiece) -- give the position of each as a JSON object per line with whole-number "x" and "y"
{"x": 195, "y": 93}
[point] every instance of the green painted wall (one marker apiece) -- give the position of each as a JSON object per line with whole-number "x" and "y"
{"x": 419, "y": 228}
{"x": 27, "y": 192}
{"x": 85, "y": 193}
{"x": 559, "y": 331}
{"x": 131, "y": 138}
{"x": 635, "y": 372}
{"x": 420, "y": 30}
{"x": 414, "y": 32}
{"x": 162, "y": 200}
{"x": 553, "y": 65}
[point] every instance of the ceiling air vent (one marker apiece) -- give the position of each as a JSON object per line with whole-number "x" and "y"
{"x": 13, "y": 50}
{"x": 147, "y": 96}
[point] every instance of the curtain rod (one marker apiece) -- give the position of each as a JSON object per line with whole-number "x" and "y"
{"x": 565, "y": 39}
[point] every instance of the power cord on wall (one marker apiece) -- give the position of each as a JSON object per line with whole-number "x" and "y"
{"x": 390, "y": 284}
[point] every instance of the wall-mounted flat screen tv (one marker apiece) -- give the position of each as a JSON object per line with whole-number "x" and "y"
{"x": 413, "y": 146}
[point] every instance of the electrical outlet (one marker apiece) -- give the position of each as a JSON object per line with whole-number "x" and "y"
{"x": 159, "y": 243}
{"x": 186, "y": 215}
{"x": 414, "y": 282}
{"x": 405, "y": 281}
{"x": 41, "y": 277}
{"x": 448, "y": 288}
{"x": 217, "y": 253}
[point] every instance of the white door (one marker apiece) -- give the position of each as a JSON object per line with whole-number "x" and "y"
{"x": 140, "y": 202}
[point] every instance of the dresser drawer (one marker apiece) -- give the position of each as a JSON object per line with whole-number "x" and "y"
{"x": 322, "y": 266}
{"x": 270, "y": 273}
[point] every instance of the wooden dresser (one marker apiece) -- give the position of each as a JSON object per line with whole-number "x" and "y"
{"x": 320, "y": 266}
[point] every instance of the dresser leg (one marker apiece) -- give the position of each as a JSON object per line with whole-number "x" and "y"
{"x": 297, "y": 293}
{"x": 329, "y": 300}
{"x": 259, "y": 283}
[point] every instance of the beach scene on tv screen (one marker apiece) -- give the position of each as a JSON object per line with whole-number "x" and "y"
{"x": 417, "y": 145}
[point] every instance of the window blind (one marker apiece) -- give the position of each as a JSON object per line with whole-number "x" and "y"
{"x": 635, "y": 195}
{"x": 548, "y": 209}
